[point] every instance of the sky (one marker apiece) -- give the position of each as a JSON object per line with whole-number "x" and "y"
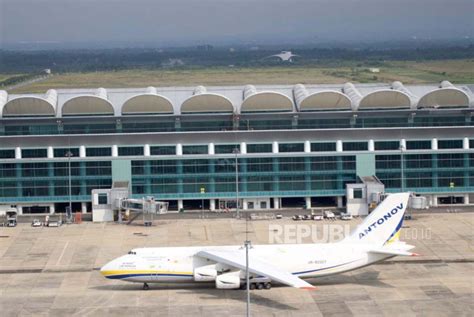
{"x": 224, "y": 22}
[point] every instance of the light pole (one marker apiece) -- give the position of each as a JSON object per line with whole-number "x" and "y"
{"x": 247, "y": 275}
{"x": 402, "y": 149}
{"x": 69, "y": 155}
{"x": 236, "y": 152}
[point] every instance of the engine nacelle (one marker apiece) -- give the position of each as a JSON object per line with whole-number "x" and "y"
{"x": 228, "y": 280}
{"x": 207, "y": 273}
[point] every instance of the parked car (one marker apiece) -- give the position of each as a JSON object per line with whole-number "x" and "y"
{"x": 329, "y": 215}
{"x": 278, "y": 216}
{"x": 317, "y": 217}
{"x": 36, "y": 223}
{"x": 307, "y": 217}
{"x": 297, "y": 217}
{"x": 345, "y": 216}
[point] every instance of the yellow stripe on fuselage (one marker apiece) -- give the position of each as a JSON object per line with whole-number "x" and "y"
{"x": 124, "y": 272}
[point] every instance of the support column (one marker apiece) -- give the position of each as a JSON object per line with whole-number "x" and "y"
{"x": 307, "y": 147}
{"x": 403, "y": 144}
{"x": 212, "y": 204}
{"x": 180, "y": 204}
{"x": 52, "y": 209}
{"x": 17, "y": 153}
{"x": 276, "y": 202}
{"x": 434, "y": 144}
{"x": 275, "y": 148}
{"x": 19, "y": 209}
{"x": 84, "y": 208}
{"x": 114, "y": 150}
{"x": 371, "y": 145}
{"x": 339, "y": 165}
{"x": 308, "y": 202}
{"x": 243, "y": 148}
{"x": 339, "y": 202}
{"x": 211, "y": 149}
{"x": 466, "y": 199}
{"x": 82, "y": 151}
{"x": 435, "y": 201}
{"x": 275, "y": 168}
{"x": 179, "y": 167}
{"x": 245, "y": 204}
{"x": 50, "y": 152}
{"x": 465, "y": 144}
{"x": 146, "y": 150}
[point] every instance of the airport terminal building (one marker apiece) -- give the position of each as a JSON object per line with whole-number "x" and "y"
{"x": 277, "y": 146}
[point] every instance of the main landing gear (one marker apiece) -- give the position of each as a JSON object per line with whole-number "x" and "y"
{"x": 259, "y": 286}
{"x": 145, "y": 287}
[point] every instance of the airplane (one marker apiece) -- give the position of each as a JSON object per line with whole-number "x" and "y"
{"x": 284, "y": 56}
{"x": 374, "y": 240}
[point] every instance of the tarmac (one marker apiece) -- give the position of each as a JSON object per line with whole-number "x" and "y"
{"x": 54, "y": 272}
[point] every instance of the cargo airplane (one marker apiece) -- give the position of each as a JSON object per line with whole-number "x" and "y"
{"x": 374, "y": 240}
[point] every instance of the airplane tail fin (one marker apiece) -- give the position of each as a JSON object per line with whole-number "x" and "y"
{"x": 383, "y": 224}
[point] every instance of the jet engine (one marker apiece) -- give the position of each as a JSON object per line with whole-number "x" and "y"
{"x": 228, "y": 280}
{"x": 206, "y": 273}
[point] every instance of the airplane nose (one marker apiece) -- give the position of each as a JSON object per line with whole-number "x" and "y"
{"x": 107, "y": 268}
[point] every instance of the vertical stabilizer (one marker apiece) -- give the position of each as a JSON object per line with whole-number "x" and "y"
{"x": 383, "y": 224}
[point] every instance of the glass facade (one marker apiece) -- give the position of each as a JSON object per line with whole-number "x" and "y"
{"x": 169, "y": 123}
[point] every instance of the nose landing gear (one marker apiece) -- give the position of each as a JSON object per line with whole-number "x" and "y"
{"x": 145, "y": 287}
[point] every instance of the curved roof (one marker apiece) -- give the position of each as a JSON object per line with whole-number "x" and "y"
{"x": 444, "y": 97}
{"x": 326, "y": 99}
{"x": 88, "y": 104}
{"x": 267, "y": 101}
{"x": 385, "y": 98}
{"x": 32, "y": 105}
{"x": 207, "y": 102}
{"x": 147, "y": 103}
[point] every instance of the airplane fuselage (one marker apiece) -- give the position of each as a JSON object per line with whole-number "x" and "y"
{"x": 178, "y": 264}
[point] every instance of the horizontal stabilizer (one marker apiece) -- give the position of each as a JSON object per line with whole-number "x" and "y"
{"x": 393, "y": 251}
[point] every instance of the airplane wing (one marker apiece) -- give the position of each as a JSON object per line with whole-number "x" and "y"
{"x": 256, "y": 266}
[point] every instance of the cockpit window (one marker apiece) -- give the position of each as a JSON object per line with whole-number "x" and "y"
{"x": 132, "y": 252}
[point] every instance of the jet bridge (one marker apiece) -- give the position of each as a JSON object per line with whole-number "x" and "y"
{"x": 145, "y": 207}
{"x": 115, "y": 203}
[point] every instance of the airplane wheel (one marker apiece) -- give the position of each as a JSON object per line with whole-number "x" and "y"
{"x": 243, "y": 286}
{"x": 268, "y": 285}
{"x": 260, "y": 286}
{"x": 145, "y": 286}
{"x": 252, "y": 286}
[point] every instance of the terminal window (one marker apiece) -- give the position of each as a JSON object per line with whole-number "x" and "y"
{"x": 62, "y": 152}
{"x": 226, "y": 148}
{"x": 7, "y": 154}
{"x": 291, "y": 147}
{"x": 33, "y": 153}
{"x": 163, "y": 150}
{"x": 323, "y": 147}
{"x": 98, "y": 151}
{"x": 355, "y": 146}
{"x": 102, "y": 199}
{"x": 387, "y": 145}
{"x": 357, "y": 193}
{"x": 195, "y": 149}
{"x": 259, "y": 148}
{"x": 130, "y": 151}
{"x": 450, "y": 144}
{"x": 419, "y": 145}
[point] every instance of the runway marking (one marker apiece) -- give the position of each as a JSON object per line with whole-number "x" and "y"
{"x": 62, "y": 253}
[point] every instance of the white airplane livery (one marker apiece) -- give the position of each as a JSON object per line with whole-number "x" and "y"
{"x": 374, "y": 240}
